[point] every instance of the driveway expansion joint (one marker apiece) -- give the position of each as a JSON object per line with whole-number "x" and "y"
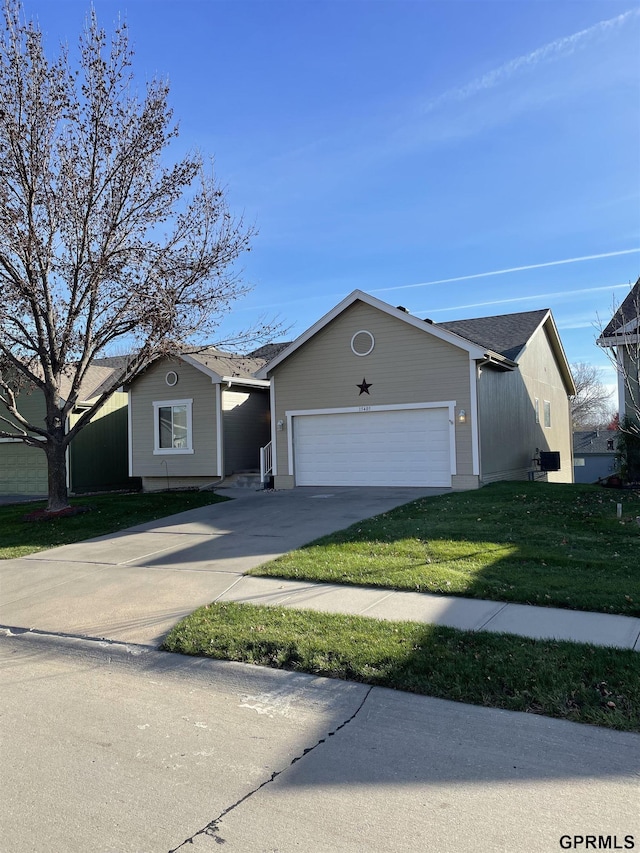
{"x": 213, "y": 827}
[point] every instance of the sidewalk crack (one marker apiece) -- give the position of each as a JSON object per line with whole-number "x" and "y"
{"x": 213, "y": 827}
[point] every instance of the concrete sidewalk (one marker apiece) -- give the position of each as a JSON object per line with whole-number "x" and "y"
{"x": 134, "y": 586}
{"x": 600, "y": 629}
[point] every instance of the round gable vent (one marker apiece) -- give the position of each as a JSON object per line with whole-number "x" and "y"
{"x": 362, "y": 343}
{"x": 171, "y": 378}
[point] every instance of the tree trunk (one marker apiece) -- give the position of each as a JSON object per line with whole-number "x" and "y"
{"x": 56, "y": 452}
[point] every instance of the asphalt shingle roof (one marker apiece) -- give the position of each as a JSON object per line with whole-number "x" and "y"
{"x": 594, "y": 441}
{"x": 227, "y": 363}
{"x": 505, "y": 334}
{"x": 269, "y": 351}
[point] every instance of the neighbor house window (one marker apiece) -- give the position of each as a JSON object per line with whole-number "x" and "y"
{"x": 578, "y": 462}
{"x": 547, "y": 414}
{"x": 537, "y": 411}
{"x": 172, "y": 426}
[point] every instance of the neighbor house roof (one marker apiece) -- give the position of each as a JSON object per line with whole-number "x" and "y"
{"x": 595, "y": 441}
{"x": 269, "y": 351}
{"x": 626, "y": 319}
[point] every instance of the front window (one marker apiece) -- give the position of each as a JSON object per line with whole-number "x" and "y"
{"x": 172, "y": 426}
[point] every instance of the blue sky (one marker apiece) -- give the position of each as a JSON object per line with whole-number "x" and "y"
{"x": 415, "y": 150}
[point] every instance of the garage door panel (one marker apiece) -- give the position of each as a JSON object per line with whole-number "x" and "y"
{"x": 396, "y": 447}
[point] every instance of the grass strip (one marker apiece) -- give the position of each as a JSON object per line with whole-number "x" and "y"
{"x": 571, "y": 681}
{"x": 555, "y": 545}
{"x": 108, "y": 514}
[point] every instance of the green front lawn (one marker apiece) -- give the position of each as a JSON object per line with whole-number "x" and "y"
{"x": 108, "y": 513}
{"x": 533, "y": 543}
{"x": 574, "y": 682}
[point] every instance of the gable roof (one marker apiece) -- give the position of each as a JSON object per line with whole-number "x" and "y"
{"x": 506, "y": 334}
{"x": 226, "y": 366}
{"x": 498, "y": 340}
{"x": 435, "y": 329}
{"x": 625, "y": 320}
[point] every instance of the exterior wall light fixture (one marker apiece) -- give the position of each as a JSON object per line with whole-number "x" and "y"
{"x": 280, "y": 426}
{"x": 462, "y": 416}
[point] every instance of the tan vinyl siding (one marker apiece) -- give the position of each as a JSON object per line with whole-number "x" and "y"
{"x": 510, "y": 435}
{"x": 406, "y": 365}
{"x": 246, "y": 428}
{"x": 151, "y": 387}
{"x": 23, "y": 469}
{"x": 161, "y": 484}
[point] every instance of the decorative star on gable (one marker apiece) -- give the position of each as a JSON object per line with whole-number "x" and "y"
{"x": 364, "y": 386}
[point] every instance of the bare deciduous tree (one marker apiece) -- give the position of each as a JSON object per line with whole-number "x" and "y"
{"x": 591, "y": 405}
{"x": 100, "y": 240}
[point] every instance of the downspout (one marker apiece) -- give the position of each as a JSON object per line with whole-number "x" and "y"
{"x": 67, "y": 453}
{"x": 219, "y": 431}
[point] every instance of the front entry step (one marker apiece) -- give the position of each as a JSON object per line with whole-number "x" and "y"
{"x": 242, "y": 480}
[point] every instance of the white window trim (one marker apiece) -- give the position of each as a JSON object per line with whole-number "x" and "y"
{"x": 172, "y": 451}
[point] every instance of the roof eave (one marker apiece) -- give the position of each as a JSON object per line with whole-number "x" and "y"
{"x": 250, "y": 383}
{"x": 618, "y": 340}
{"x": 215, "y": 377}
{"x": 497, "y": 360}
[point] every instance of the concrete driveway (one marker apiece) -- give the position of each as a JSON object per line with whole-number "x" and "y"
{"x": 135, "y": 585}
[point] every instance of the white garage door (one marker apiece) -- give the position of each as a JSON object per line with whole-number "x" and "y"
{"x": 406, "y": 447}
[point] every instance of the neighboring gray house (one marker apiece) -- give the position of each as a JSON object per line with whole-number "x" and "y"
{"x": 197, "y": 418}
{"x": 594, "y": 455}
{"x": 622, "y": 337}
{"x": 371, "y": 395}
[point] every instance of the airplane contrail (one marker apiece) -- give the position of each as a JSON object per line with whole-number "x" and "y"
{"x": 510, "y": 269}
